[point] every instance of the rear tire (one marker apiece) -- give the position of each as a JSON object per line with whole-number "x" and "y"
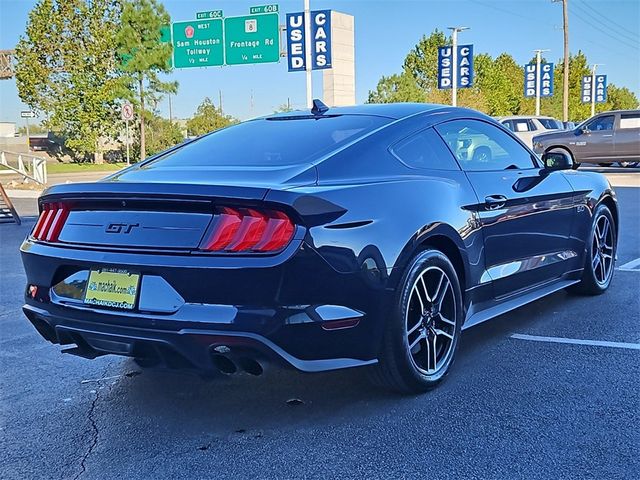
{"x": 599, "y": 256}
{"x": 422, "y": 333}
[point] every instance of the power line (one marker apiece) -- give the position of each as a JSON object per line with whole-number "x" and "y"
{"x": 600, "y": 18}
{"x": 634, "y": 35}
{"x": 601, "y": 30}
{"x": 503, "y": 10}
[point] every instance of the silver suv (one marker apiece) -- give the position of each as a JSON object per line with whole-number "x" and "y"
{"x": 526, "y": 127}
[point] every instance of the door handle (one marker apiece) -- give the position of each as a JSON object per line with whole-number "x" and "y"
{"x": 493, "y": 202}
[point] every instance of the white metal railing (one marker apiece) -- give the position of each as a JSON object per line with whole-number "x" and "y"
{"x": 28, "y": 166}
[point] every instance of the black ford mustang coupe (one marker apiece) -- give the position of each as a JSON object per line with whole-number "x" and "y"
{"x": 335, "y": 238}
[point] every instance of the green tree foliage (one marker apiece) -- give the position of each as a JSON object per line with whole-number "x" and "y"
{"x": 161, "y": 134}
{"x": 397, "y": 88}
{"x": 207, "y": 119}
{"x": 498, "y": 84}
{"x": 143, "y": 55}
{"x": 66, "y": 69}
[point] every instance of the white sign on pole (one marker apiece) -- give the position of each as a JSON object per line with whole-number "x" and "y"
{"x": 27, "y": 114}
{"x": 127, "y": 112}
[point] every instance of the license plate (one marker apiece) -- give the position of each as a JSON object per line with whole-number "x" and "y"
{"x": 112, "y": 288}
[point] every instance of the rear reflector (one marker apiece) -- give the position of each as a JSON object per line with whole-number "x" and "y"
{"x": 50, "y": 222}
{"x": 249, "y": 230}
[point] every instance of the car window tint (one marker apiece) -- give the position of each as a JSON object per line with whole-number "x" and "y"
{"x": 481, "y": 146}
{"x": 601, "y": 123}
{"x": 509, "y": 125}
{"x": 630, "y": 120}
{"x": 550, "y": 123}
{"x": 424, "y": 150}
{"x": 271, "y": 142}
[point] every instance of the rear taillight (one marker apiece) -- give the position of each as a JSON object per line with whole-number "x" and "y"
{"x": 50, "y": 222}
{"x": 249, "y": 230}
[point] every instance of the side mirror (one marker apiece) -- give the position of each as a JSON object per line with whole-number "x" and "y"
{"x": 585, "y": 131}
{"x": 557, "y": 161}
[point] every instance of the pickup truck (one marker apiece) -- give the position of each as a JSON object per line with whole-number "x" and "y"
{"x": 604, "y": 139}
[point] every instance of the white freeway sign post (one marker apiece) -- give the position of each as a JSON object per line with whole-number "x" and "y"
{"x": 127, "y": 114}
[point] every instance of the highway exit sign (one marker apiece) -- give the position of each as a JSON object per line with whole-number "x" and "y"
{"x": 198, "y": 43}
{"x": 273, "y": 8}
{"x": 252, "y": 39}
{"x": 209, "y": 15}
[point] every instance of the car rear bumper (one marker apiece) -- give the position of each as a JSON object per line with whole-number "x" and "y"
{"x": 293, "y": 310}
{"x": 198, "y": 350}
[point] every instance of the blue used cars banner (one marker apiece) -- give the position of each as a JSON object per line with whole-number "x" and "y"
{"x": 320, "y": 40}
{"x": 546, "y": 80}
{"x": 465, "y": 66}
{"x": 599, "y": 89}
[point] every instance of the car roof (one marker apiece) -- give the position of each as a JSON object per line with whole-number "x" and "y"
{"x": 524, "y": 117}
{"x": 394, "y": 111}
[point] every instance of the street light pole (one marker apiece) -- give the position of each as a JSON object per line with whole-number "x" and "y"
{"x": 307, "y": 51}
{"x": 454, "y": 76}
{"x": 593, "y": 87}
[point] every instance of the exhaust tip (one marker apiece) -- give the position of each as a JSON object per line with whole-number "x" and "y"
{"x": 225, "y": 365}
{"x": 250, "y": 366}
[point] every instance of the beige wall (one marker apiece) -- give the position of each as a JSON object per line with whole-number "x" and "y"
{"x": 339, "y": 82}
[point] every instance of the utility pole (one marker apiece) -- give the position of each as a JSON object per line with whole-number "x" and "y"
{"x": 565, "y": 63}
{"x": 538, "y": 78}
{"x": 220, "y": 95}
{"x": 170, "y": 110}
{"x": 565, "y": 69}
{"x": 454, "y": 41}
{"x": 307, "y": 51}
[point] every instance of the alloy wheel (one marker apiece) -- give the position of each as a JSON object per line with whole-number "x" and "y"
{"x": 602, "y": 250}
{"x": 431, "y": 321}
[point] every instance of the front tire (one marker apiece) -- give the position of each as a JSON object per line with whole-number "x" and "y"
{"x": 422, "y": 333}
{"x": 600, "y": 255}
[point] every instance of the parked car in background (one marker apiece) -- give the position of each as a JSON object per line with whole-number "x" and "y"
{"x": 604, "y": 139}
{"x": 527, "y": 127}
{"x": 44, "y": 143}
{"x": 569, "y": 125}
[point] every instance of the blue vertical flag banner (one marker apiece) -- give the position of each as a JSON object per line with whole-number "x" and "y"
{"x": 546, "y": 80}
{"x": 320, "y": 40}
{"x": 465, "y": 66}
{"x": 445, "y": 67}
{"x": 587, "y": 88}
{"x": 530, "y": 80}
{"x": 295, "y": 42}
{"x": 601, "y": 88}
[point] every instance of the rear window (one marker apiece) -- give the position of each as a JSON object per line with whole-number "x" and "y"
{"x": 272, "y": 142}
{"x": 550, "y": 123}
{"x": 630, "y": 120}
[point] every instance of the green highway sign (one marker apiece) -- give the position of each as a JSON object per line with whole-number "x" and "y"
{"x": 209, "y": 15}
{"x": 252, "y": 39}
{"x": 198, "y": 44}
{"x": 273, "y": 8}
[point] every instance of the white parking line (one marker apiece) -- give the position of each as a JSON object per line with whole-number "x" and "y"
{"x": 575, "y": 341}
{"x": 632, "y": 266}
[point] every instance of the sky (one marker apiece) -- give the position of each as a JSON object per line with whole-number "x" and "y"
{"x": 608, "y": 31}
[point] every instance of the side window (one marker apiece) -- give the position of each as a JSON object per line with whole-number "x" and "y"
{"x": 424, "y": 150}
{"x": 601, "y": 123}
{"x": 509, "y": 125}
{"x": 522, "y": 125}
{"x": 630, "y": 120}
{"x": 481, "y": 146}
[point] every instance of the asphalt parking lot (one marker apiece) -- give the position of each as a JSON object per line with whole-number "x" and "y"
{"x": 511, "y": 407}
